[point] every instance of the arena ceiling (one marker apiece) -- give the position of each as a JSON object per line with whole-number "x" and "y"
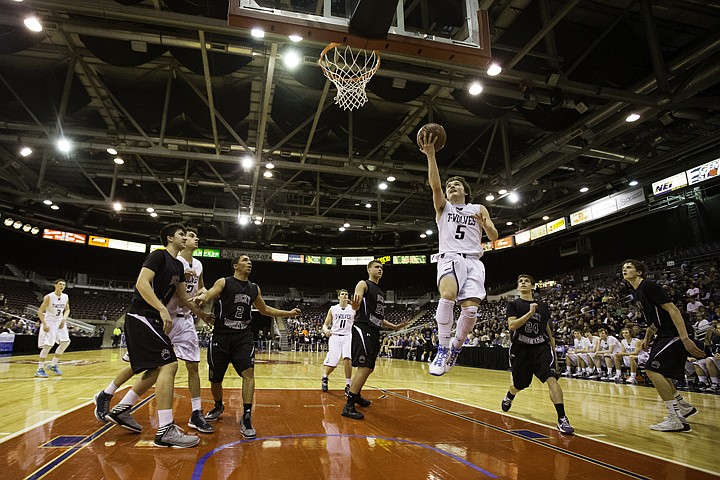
{"x": 183, "y": 98}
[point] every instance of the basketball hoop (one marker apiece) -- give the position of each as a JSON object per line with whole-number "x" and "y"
{"x": 350, "y": 71}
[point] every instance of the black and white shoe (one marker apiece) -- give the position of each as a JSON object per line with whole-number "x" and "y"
{"x": 506, "y": 404}
{"x": 215, "y": 413}
{"x": 350, "y": 412}
{"x": 325, "y": 384}
{"x": 198, "y": 422}
{"x": 121, "y": 415}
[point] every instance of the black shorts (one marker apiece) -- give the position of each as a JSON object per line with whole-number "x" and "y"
{"x": 529, "y": 360}
{"x": 147, "y": 344}
{"x": 226, "y": 348}
{"x": 365, "y": 345}
{"x": 668, "y": 357}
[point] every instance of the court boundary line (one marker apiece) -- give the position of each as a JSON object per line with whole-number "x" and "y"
{"x": 623, "y": 447}
{"x": 71, "y": 451}
{"x": 517, "y": 435}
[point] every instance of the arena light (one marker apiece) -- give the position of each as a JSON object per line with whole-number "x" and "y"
{"x": 118, "y": 160}
{"x": 508, "y": 223}
{"x": 368, "y": 205}
{"x": 546, "y": 218}
{"x": 153, "y": 214}
{"x": 55, "y": 207}
{"x": 8, "y": 222}
{"x": 502, "y": 191}
{"x": 584, "y": 189}
{"x": 390, "y": 178}
{"x": 26, "y": 151}
{"x": 342, "y": 229}
{"x": 267, "y": 174}
{"x": 633, "y": 183}
{"x": 490, "y": 197}
{"x": 111, "y": 151}
{"x": 295, "y": 38}
{"x": 33, "y": 24}
{"x": 428, "y": 232}
{"x": 269, "y": 165}
{"x": 475, "y": 88}
{"x": 150, "y": 209}
{"x": 346, "y": 225}
{"x": 257, "y": 33}
{"x": 117, "y": 206}
{"x": 422, "y": 235}
{"x": 47, "y": 202}
{"x": 26, "y": 228}
{"x": 63, "y": 145}
{"x": 34, "y": 230}
{"x": 633, "y": 117}
{"x": 383, "y": 186}
{"x": 247, "y": 162}
{"x": 17, "y": 225}
{"x": 494, "y": 70}
{"x": 513, "y": 197}
{"x": 243, "y": 219}
{"x": 291, "y": 59}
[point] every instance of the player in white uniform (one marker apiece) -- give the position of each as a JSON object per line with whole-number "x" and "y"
{"x": 183, "y": 336}
{"x": 573, "y": 358}
{"x": 587, "y": 353}
{"x": 630, "y": 355}
{"x": 461, "y": 274}
{"x": 53, "y": 314}
{"x": 609, "y": 346}
{"x": 338, "y": 326}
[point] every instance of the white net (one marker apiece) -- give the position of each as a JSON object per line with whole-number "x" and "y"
{"x": 350, "y": 71}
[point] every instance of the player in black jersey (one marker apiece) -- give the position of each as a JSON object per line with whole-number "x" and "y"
{"x": 369, "y": 301}
{"x": 232, "y": 339}
{"x": 670, "y": 346}
{"x": 532, "y": 351}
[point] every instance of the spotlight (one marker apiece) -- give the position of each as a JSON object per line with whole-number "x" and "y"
{"x": 34, "y": 230}
{"x": 47, "y": 202}
{"x": 513, "y": 197}
{"x": 33, "y": 24}
{"x": 428, "y": 232}
{"x": 390, "y": 178}
{"x": 150, "y": 209}
{"x": 368, "y": 205}
{"x": 502, "y": 191}
{"x": 8, "y": 221}
{"x": 248, "y": 162}
{"x": 633, "y": 117}
{"x": 153, "y": 214}
{"x": 490, "y": 197}
{"x": 257, "y": 33}
{"x": 383, "y": 186}
{"x": 17, "y": 224}
{"x": 508, "y": 223}
{"x": 63, "y": 145}
{"x": 633, "y": 183}
{"x": 54, "y": 207}
{"x": 342, "y": 229}
{"x": 295, "y": 38}
{"x": 475, "y": 88}
{"x": 111, "y": 151}
{"x": 26, "y": 151}
{"x": 546, "y": 218}
{"x": 118, "y": 160}
{"x": 27, "y": 227}
{"x": 291, "y": 59}
{"x": 494, "y": 69}
{"x": 267, "y": 174}
{"x": 243, "y": 219}
{"x": 346, "y": 225}
{"x": 269, "y": 165}
{"x": 117, "y": 206}
{"x": 257, "y": 222}
{"x": 584, "y": 189}
{"x": 422, "y": 235}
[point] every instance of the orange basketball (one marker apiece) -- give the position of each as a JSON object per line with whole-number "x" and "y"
{"x": 437, "y": 131}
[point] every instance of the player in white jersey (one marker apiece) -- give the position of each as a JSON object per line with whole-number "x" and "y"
{"x": 574, "y": 357}
{"x": 53, "y": 314}
{"x": 609, "y": 346}
{"x": 183, "y": 334}
{"x": 461, "y": 274}
{"x": 630, "y": 355}
{"x": 587, "y": 353}
{"x": 338, "y": 326}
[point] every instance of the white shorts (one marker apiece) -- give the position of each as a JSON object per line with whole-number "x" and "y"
{"x": 469, "y": 274}
{"x": 55, "y": 335}
{"x": 574, "y": 358}
{"x": 184, "y": 339}
{"x": 339, "y": 346}
{"x": 715, "y": 361}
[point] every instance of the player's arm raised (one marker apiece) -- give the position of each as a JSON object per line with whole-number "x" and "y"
{"x": 427, "y": 146}
{"x": 272, "y": 311}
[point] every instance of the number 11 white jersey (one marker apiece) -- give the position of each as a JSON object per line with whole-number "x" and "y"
{"x": 459, "y": 231}
{"x": 342, "y": 320}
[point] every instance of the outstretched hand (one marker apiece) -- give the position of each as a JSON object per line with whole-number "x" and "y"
{"x": 427, "y": 143}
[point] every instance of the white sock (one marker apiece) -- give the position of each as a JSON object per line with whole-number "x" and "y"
{"x": 54, "y": 361}
{"x": 681, "y": 401}
{"x": 465, "y": 324}
{"x": 196, "y": 403}
{"x": 130, "y": 398}
{"x": 347, "y": 381}
{"x": 444, "y": 318}
{"x": 671, "y": 405}
{"x": 41, "y": 364}
{"x": 111, "y": 389}
{"x": 165, "y": 417}
{"x": 633, "y": 375}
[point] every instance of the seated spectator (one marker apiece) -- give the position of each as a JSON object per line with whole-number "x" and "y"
{"x": 693, "y": 305}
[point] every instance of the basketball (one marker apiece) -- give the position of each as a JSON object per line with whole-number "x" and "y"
{"x": 436, "y": 130}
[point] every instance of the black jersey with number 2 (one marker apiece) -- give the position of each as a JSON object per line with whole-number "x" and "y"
{"x": 234, "y": 304}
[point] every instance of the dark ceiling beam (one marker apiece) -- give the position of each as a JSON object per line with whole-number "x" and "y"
{"x": 544, "y": 31}
{"x": 656, "y": 54}
{"x": 549, "y": 39}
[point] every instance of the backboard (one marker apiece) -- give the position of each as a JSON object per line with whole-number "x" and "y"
{"x": 453, "y": 31}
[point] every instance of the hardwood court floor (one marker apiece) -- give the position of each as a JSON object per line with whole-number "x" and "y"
{"x": 418, "y": 427}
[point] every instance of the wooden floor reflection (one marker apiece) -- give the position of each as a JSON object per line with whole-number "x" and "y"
{"x": 435, "y": 433}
